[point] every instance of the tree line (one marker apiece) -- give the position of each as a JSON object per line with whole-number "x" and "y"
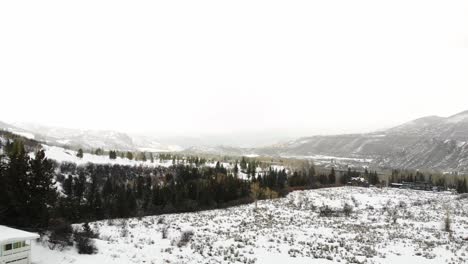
{"x": 36, "y": 191}
{"x": 456, "y": 182}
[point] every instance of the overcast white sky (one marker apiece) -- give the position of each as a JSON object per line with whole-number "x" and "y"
{"x": 297, "y": 67}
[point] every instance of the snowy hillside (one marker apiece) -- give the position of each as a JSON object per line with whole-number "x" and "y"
{"x": 90, "y": 139}
{"x": 385, "y": 226}
{"x": 427, "y": 143}
{"x": 437, "y": 143}
{"x": 64, "y": 155}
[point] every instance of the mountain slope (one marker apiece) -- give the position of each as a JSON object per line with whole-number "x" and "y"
{"x": 91, "y": 139}
{"x": 430, "y": 142}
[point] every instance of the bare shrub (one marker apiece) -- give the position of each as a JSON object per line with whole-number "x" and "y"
{"x": 402, "y": 204}
{"x": 326, "y": 211}
{"x": 185, "y": 238}
{"x": 161, "y": 220}
{"x": 355, "y": 201}
{"x": 447, "y": 222}
{"x": 165, "y": 231}
{"x": 347, "y": 209}
{"x": 124, "y": 232}
{"x": 392, "y": 215}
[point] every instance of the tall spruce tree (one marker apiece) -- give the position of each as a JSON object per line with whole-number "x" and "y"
{"x": 16, "y": 180}
{"x": 79, "y": 154}
{"x": 332, "y": 177}
{"x": 3, "y": 189}
{"x": 42, "y": 190}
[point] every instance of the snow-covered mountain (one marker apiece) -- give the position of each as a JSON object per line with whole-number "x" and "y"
{"x": 16, "y": 130}
{"x": 88, "y": 139}
{"x": 430, "y": 142}
{"x": 452, "y": 128}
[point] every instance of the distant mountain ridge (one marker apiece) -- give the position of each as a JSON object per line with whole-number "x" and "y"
{"x": 88, "y": 139}
{"x": 431, "y": 142}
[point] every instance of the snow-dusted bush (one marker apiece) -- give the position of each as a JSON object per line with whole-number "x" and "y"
{"x": 347, "y": 209}
{"x": 393, "y": 215}
{"x": 165, "y": 231}
{"x": 85, "y": 245}
{"x": 447, "y": 222}
{"x": 326, "y": 211}
{"x": 355, "y": 201}
{"x": 161, "y": 220}
{"x": 185, "y": 237}
{"x": 402, "y": 204}
{"x": 124, "y": 232}
{"x": 61, "y": 234}
{"x": 84, "y": 242}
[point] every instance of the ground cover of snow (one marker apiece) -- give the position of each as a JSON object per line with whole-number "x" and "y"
{"x": 290, "y": 230}
{"x": 60, "y": 154}
{"x": 65, "y": 155}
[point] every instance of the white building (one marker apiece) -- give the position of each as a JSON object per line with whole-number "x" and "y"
{"x": 15, "y": 246}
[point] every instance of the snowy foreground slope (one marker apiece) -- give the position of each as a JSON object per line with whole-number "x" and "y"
{"x": 290, "y": 230}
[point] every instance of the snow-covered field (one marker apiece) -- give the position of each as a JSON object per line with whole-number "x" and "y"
{"x": 386, "y": 226}
{"x": 65, "y": 155}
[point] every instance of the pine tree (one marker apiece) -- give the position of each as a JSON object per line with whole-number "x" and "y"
{"x": 243, "y": 164}
{"x": 311, "y": 177}
{"x": 112, "y": 154}
{"x": 79, "y": 154}
{"x": 93, "y": 199}
{"x": 3, "y": 188}
{"x": 236, "y": 169}
{"x": 465, "y": 186}
{"x": 131, "y": 201}
{"x": 121, "y": 203}
{"x": 41, "y": 189}
{"x": 140, "y": 182}
{"x": 79, "y": 188}
{"x": 143, "y": 156}
{"x": 98, "y": 151}
{"x": 332, "y": 177}
{"x": 16, "y": 180}
{"x": 461, "y": 186}
{"x": 253, "y": 168}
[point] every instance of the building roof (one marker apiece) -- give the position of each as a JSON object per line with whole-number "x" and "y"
{"x": 8, "y": 235}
